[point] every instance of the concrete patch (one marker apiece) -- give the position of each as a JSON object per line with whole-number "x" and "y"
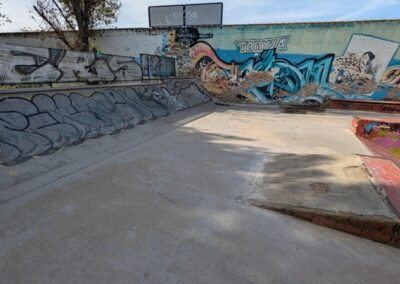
{"x": 326, "y": 182}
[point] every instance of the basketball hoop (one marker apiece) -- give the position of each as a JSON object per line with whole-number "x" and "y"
{"x": 191, "y": 15}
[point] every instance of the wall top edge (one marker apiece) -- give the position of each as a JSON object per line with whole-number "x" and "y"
{"x": 145, "y": 29}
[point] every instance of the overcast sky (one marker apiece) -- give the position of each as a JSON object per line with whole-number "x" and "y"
{"x": 134, "y": 12}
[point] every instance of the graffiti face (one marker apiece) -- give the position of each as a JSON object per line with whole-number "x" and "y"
{"x": 21, "y": 64}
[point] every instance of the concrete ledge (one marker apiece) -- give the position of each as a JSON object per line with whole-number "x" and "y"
{"x": 364, "y": 129}
{"x": 358, "y": 123}
{"x": 377, "y": 228}
{"x": 386, "y": 176}
{"x": 74, "y": 87}
{"x": 377, "y": 106}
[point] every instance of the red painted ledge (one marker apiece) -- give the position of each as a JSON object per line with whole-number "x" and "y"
{"x": 376, "y": 106}
{"x": 387, "y": 177}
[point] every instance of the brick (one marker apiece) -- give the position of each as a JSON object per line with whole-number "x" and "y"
{"x": 395, "y": 241}
{"x": 340, "y": 227}
{"x": 342, "y": 219}
{"x": 353, "y": 230}
{"x": 323, "y": 221}
{"x": 364, "y": 224}
{"x": 396, "y": 229}
{"x": 303, "y": 215}
{"x": 386, "y": 229}
{"x": 377, "y": 236}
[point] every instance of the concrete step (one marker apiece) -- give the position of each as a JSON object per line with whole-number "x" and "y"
{"x": 372, "y": 105}
{"x": 386, "y": 176}
{"x": 377, "y": 228}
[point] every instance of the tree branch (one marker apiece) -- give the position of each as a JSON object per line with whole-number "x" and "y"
{"x": 59, "y": 33}
{"x": 64, "y": 16}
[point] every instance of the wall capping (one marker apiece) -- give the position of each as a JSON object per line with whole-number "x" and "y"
{"x": 145, "y": 29}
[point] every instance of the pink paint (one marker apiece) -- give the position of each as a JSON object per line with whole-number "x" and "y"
{"x": 202, "y": 49}
{"x": 387, "y": 177}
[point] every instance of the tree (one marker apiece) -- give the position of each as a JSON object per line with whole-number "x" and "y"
{"x": 3, "y": 18}
{"x": 74, "y": 21}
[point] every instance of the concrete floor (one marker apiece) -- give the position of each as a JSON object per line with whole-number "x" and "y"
{"x": 166, "y": 207}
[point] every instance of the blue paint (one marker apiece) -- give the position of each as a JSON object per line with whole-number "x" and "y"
{"x": 230, "y": 56}
{"x": 233, "y": 55}
{"x": 290, "y": 77}
{"x": 380, "y": 93}
{"x": 394, "y": 62}
{"x": 369, "y": 127}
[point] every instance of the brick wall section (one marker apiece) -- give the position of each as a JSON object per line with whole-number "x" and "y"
{"x": 376, "y": 106}
{"x": 379, "y": 229}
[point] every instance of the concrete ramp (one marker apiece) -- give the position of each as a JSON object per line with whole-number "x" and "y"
{"x": 34, "y": 123}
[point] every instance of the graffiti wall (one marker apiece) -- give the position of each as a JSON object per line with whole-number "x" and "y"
{"x": 154, "y": 66}
{"x": 384, "y": 134}
{"x": 22, "y": 64}
{"x": 300, "y": 63}
{"x": 39, "y": 123}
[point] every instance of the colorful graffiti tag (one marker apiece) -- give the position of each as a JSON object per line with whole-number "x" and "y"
{"x": 383, "y": 134}
{"x": 259, "y": 45}
{"x": 260, "y": 71}
{"x": 263, "y": 78}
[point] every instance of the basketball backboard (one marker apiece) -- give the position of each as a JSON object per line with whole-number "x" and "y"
{"x": 204, "y": 14}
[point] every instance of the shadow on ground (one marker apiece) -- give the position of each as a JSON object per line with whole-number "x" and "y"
{"x": 167, "y": 211}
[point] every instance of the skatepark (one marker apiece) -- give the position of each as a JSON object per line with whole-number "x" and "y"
{"x": 188, "y": 161}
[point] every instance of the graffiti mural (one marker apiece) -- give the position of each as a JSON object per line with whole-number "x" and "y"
{"x": 384, "y": 134}
{"x": 45, "y": 122}
{"x": 22, "y": 64}
{"x": 260, "y": 79}
{"x": 154, "y": 66}
{"x": 352, "y": 68}
{"x": 392, "y": 76}
{"x": 362, "y": 69}
{"x": 177, "y": 43}
{"x": 188, "y": 36}
{"x": 262, "y": 71}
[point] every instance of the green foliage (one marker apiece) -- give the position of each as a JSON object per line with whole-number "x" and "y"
{"x": 74, "y": 20}
{"x": 3, "y": 18}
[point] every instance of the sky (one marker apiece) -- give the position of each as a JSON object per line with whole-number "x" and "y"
{"x": 133, "y": 13}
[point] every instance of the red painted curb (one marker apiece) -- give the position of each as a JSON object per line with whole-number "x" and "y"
{"x": 387, "y": 177}
{"x": 376, "y": 106}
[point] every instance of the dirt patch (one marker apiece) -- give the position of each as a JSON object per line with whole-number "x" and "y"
{"x": 355, "y": 171}
{"x": 318, "y": 188}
